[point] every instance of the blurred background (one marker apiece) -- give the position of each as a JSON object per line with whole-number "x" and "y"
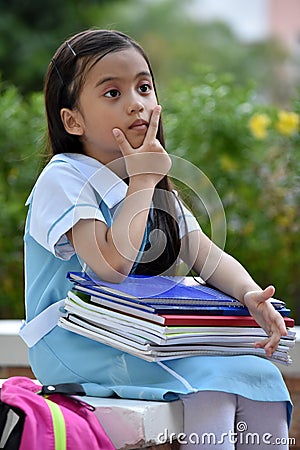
{"x": 228, "y": 78}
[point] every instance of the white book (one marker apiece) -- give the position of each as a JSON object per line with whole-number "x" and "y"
{"x": 158, "y": 353}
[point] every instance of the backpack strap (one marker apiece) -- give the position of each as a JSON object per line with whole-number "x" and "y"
{"x": 31, "y": 332}
{"x": 59, "y": 425}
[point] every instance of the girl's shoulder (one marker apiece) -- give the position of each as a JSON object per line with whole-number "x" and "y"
{"x": 76, "y": 175}
{"x": 58, "y": 176}
{"x": 66, "y": 165}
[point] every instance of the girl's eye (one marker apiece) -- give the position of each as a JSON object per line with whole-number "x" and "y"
{"x": 113, "y": 93}
{"x": 145, "y": 88}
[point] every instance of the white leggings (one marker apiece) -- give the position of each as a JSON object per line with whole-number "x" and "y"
{"x": 228, "y": 421}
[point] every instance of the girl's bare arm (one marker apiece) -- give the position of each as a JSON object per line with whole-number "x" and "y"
{"x": 227, "y": 274}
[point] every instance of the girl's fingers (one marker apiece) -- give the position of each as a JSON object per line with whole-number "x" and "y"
{"x": 153, "y": 124}
{"x": 123, "y": 144}
{"x": 261, "y": 296}
{"x": 268, "y": 292}
{"x": 269, "y": 345}
{"x": 267, "y": 317}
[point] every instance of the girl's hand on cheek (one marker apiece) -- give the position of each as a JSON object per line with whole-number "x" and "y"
{"x": 150, "y": 161}
{"x": 260, "y": 307}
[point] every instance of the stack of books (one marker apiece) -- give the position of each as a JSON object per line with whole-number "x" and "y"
{"x": 159, "y": 318}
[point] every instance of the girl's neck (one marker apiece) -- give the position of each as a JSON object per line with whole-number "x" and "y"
{"x": 116, "y": 164}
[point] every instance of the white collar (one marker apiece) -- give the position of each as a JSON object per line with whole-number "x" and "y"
{"x": 111, "y": 188}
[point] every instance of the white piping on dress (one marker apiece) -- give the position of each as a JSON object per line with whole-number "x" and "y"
{"x": 177, "y": 376}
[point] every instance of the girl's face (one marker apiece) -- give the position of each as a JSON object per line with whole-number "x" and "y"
{"x": 118, "y": 93}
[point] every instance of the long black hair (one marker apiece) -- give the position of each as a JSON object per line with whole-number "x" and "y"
{"x": 63, "y": 83}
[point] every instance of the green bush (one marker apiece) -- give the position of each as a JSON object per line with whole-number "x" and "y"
{"x": 21, "y": 140}
{"x": 250, "y": 153}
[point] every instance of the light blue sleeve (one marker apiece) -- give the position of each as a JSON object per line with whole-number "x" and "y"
{"x": 60, "y": 198}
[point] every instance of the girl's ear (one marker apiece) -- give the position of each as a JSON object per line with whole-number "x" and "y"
{"x": 72, "y": 121}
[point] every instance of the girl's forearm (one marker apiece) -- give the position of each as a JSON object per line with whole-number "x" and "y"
{"x": 125, "y": 236}
{"x": 217, "y": 267}
{"x": 232, "y": 278}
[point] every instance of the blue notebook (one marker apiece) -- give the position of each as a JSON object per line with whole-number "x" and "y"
{"x": 157, "y": 289}
{"x": 160, "y": 293}
{"x": 113, "y": 301}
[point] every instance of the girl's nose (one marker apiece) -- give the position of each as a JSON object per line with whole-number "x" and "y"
{"x": 135, "y": 106}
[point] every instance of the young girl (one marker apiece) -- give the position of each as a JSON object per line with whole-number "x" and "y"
{"x": 98, "y": 202}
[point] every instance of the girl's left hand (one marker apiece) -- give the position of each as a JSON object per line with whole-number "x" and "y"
{"x": 262, "y": 310}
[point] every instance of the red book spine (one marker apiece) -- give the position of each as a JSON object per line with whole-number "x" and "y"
{"x": 212, "y": 321}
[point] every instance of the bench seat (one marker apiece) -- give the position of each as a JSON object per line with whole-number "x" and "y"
{"x": 133, "y": 424}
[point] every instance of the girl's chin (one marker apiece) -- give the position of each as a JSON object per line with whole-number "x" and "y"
{"x": 136, "y": 138}
{"x": 137, "y": 142}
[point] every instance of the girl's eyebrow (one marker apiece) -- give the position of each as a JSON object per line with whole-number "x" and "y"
{"x": 104, "y": 80}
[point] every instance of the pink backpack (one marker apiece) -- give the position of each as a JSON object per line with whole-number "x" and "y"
{"x": 53, "y": 420}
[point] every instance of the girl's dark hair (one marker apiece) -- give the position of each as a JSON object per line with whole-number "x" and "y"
{"x": 64, "y": 80}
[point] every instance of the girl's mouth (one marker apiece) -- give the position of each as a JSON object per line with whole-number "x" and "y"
{"x": 139, "y": 125}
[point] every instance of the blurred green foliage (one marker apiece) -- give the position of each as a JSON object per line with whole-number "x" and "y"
{"x": 21, "y": 137}
{"x": 30, "y": 32}
{"x": 176, "y": 42}
{"x": 214, "y": 115}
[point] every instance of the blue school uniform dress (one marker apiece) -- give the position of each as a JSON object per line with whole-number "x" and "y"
{"x": 74, "y": 187}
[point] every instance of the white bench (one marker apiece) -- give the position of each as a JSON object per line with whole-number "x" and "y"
{"x": 130, "y": 424}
